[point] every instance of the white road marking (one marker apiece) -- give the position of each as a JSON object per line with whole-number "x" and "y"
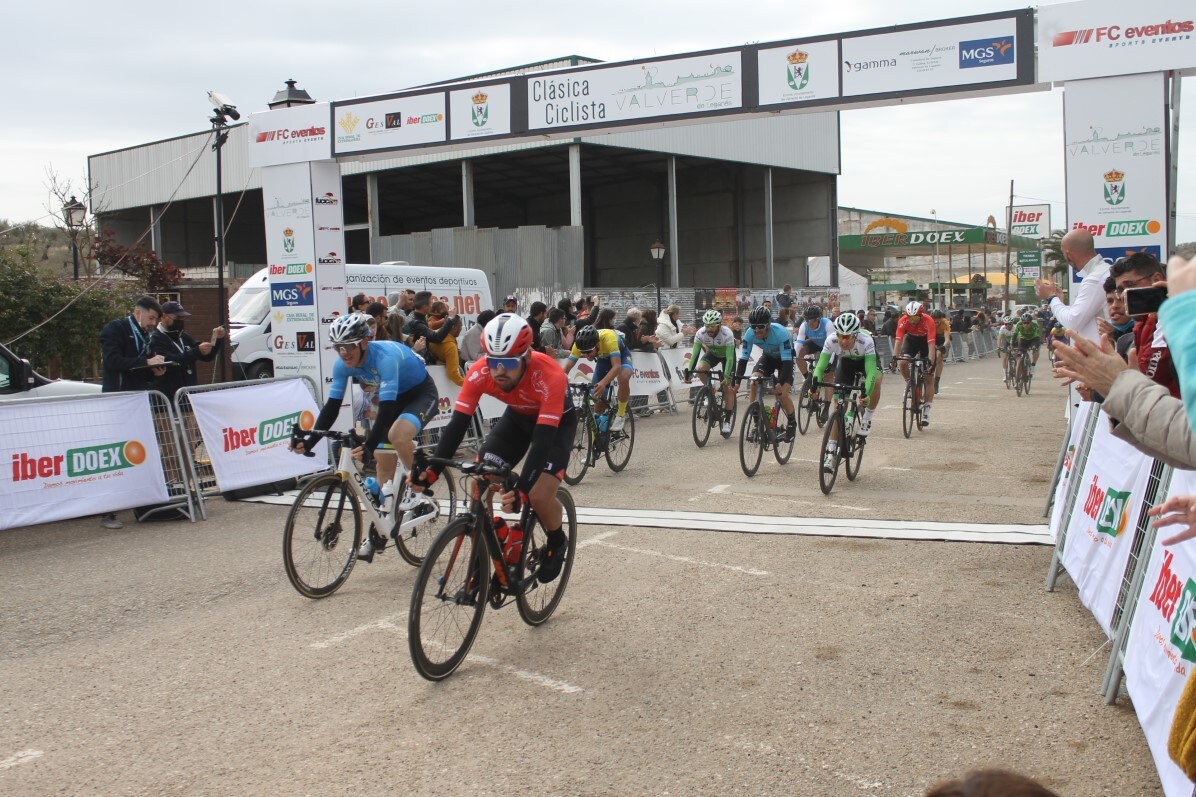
{"x": 527, "y": 675}
{"x": 383, "y": 624}
{"x": 893, "y": 467}
{"x": 852, "y": 508}
{"x": 751, "y": 571}
{"x": 23, "y": 757}
{"x": 597, "y": 538}
{"x": 718, "y": 488}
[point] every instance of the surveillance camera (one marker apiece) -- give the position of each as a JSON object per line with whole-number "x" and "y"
{"x": 223, "y": 105}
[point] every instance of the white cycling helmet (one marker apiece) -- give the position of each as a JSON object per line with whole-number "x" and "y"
{"x": 712, "y": 317}
{"x": 507, "y": 335}
{"x": 913, "y": 308}
{"x": 847, "y": 324}
{"x": 351, "y": 328}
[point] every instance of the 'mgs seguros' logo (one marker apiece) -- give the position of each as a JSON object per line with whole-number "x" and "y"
{"x": 268, "y": 432}
{"x": 79, "y": 462}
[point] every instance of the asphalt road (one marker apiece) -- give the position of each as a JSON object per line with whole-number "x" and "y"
{"x": 171, "y": 658}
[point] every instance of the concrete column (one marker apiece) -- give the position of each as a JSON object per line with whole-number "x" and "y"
{"x": 575, "y": 185}
{"x": 155, "y": 229}
{"x": 769, "y": 264}
{"x": 674, "y": 254}
{"x": 467, "y": 201}
{"x": 374, "y": 217}
{"x": 833, "y": 223}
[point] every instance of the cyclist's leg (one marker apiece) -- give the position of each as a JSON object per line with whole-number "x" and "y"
{"x": 623, "y": 379}
{"x": 543, "y": 498}
{"x": 601, "y": 369}
{"x": 802, "y": 365}
{"x": 1034, "y": 353}
{"x": 784, "y": 388}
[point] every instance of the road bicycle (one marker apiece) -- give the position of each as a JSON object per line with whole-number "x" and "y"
{"x": 911, "y": 405}
{"x": 324, "y": 527}
{"x": 594, "y": 437}
{"x": 468, "y": 566}
{"x": 843, "y": 427}
{"x": 1021, "y": 372}
{"x": 764, "y": 427}
{"x": 708, "y": 408}
{"x": 807, "y": 407}
{"x": 1009, "y": 370}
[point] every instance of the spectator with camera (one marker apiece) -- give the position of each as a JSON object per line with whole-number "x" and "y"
{"x": 1142, "y": 283}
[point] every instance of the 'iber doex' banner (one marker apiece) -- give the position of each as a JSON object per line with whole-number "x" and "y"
{"x": 75, "y": 458}
{"x": 247, "y": 430}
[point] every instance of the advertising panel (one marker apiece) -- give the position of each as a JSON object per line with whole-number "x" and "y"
{"x": 931, "y": 58}
{"x": 481, "y": 111}
{"x": 1161, "y": 649}
{"x": 289, "y": 135}
{"x": 1030, "y": 221}
{"x": 1100, "y": 38}
{"x": 1116, "y": 176}
{"x": 75, "y": 458}
{"x": 393, "y": 122}
{"x": 246, "y": 432}
{"x": 1100, "y": 532}
{"x": 799, "y": 73}
{"x": 331, "y": 298}
{"x": 632, "y": 92}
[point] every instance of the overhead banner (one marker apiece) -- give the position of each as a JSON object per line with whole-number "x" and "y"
{"x": 480, "y": 111}
{"x": 1161, "y": 649}
{"x": 289, "y": 135}
{"x": 1100, "y": 533}
{"x": 390, "y": 123}
{"x": 246, "y": 431}
{"x": 1099, "y": 38}
{"x": 798, "y": 73}
{"x": 635, "y": 91}
{"x": 931, "y": 57}
{"x": 68, "y": 459}
{"x": 1115, "y": 131}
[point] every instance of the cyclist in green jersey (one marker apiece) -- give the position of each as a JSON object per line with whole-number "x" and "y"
{"x": 717, "y": 345}
{"x": 855, "y": 352}
{"x": 1027, "y": 336}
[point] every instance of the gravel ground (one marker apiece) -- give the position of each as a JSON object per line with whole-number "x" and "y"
{"x": 171, "y": 658}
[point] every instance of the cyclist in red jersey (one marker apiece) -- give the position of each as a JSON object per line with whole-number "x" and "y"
{"x": 540, "y": 421}
{"x": 916, "y": 333}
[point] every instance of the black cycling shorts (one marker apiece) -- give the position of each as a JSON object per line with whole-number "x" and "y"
{"x": 810, "y": 347}
{"x": 849, "y": 370}
{"x": 768, "y": 366}
{"x": 511, "y": 437}
{"x": 711, "y": 359}
{"x": 420, "y": 403}
{"x": 1025, "y": 344}
{"x": 914, "y": 346}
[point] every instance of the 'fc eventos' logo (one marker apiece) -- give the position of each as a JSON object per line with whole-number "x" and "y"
{"x": 1114, "y": 187}
{"x": 799, "y": 70}
{"x": 480, "y": 114}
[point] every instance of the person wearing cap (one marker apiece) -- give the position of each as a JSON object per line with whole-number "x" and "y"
{"x": 176, "y": 346}
{"x": 510, "y": 304}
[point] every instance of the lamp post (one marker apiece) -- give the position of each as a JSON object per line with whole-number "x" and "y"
{"x": 657, "y": 250}
{"x": 225, "y": 110}
{"x": 74, "y": 213}
{"x": 934, "y": 269}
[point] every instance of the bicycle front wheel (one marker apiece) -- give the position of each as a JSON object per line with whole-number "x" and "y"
{"x": 538, "y": 601}
{"x": 420, "y": 531}
{"x": 1020, "y": 380}
{"x": 909, "y": 411}
{"x": 782, "y": 446}
{"x": 448, "y": 600}
{"x": 321, "y": 537}
{"x": 833, "y": 431}
{"x": 855, "y": 453}
{"x": 581, "y": 452}
{"x": 805, "y": 407}
{"x": 620, "y": 443}
{"x": 751, "y": 439}
{"x": 704, "y": 411}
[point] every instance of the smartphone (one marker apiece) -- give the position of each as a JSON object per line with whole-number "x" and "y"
{"x": 1144, "y": 301}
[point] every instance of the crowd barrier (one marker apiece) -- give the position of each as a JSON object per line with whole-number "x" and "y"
{"x": 1142, "y": 594}
{"x": 77, "y": 456}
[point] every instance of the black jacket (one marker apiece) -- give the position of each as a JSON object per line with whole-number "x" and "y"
{"x": 125, "y": 348}
{"x": 181, "y": 348}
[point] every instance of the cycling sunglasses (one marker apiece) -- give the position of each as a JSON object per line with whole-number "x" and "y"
{"x": 505, "y": 363}
{"x": 589, "y": 351}
{"x": 344, "y": 347}
{"x": 759, "y": 327}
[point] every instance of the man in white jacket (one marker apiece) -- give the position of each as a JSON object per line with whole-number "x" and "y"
{"x": 1088, "y": 303}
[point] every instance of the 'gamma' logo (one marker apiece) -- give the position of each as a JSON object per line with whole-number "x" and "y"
{"x": 79, "y": 461}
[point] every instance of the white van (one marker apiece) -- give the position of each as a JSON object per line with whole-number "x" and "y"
{"x": 19, "y": 380}
{"x": 466, "y": 290}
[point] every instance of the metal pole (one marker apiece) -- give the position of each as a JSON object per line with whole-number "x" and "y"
{"x": 75, "y": 252}
{"x": 221, "y": 302}
{"x": 1008, "y": 243}
{"x": 1173, "y": 175}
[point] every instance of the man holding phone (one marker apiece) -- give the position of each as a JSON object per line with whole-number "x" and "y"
{"x": 1089, "y": 301}
{"x": 1142, "y": 283}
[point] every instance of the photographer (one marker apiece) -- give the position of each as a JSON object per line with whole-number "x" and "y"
{"x": 1150, "y": 353}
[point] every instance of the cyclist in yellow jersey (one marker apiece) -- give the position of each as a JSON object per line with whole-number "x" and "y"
{"x": 612, "y": 361}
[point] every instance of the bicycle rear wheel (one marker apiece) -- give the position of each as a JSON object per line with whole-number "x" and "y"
{"x": 538, "y": 601}
{"x": 804, "y": 408}
{"x": 751, "y": 439}
{"x": 782, "y": 449}
{"x": 1019, "y": 380}
{"x": 413, "y": 542}
{"x": 909, "y": 411}
{"x": 581, "y": 452}
{"x": 833, "y": 431}
{"x": 448, "y": 600}
{"x": 321, "y": 536}
{"x": 704, "y": 411}
{"x": 620, "y": 443}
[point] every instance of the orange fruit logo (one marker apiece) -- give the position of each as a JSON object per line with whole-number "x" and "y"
{"x": 307, "y": 420}
{"x": 134, "y": 452}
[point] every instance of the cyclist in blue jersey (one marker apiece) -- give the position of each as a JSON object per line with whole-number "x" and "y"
{"x": 407, "y": 399}
{"x": 811, "y": 336}
{"x": 776, "y": 357}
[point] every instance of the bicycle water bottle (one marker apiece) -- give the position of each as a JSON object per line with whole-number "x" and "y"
{"x": 603, "y": 421}
{"x": 374, "y": 489}
{"x": 769, "y": 420}
{"x": 511, "y": 538}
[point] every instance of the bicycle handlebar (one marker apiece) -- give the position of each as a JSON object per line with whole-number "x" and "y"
{"x": 298, "y": 435}
{"x": 468, "y": 467}
{"x": 839, "y": 387}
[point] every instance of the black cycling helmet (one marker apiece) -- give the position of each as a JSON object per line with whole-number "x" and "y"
{"x": 813, "y": 312}
{"x": 587, "y": 338}
{"x": 760, "y": 316}
{"x": 1027, "y": 318}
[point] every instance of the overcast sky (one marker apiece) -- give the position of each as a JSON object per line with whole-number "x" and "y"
{"x": 128, "y": 72}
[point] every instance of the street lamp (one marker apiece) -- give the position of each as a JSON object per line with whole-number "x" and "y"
{"x": 225, "y": 110}
{"x": 657, "y": 250}
{"x": 934, "y": 269}
{"x": 74, "y": 213}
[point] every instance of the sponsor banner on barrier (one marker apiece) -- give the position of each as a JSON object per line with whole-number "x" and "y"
{"x": 1161, "y": 650}
{"x": 246, "y": 432}
{"x": 77, "y": 458}
{"x": 1100, "y": 532}
{"x": 648, "y": 376}
{"x": 1079, "y": 420}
